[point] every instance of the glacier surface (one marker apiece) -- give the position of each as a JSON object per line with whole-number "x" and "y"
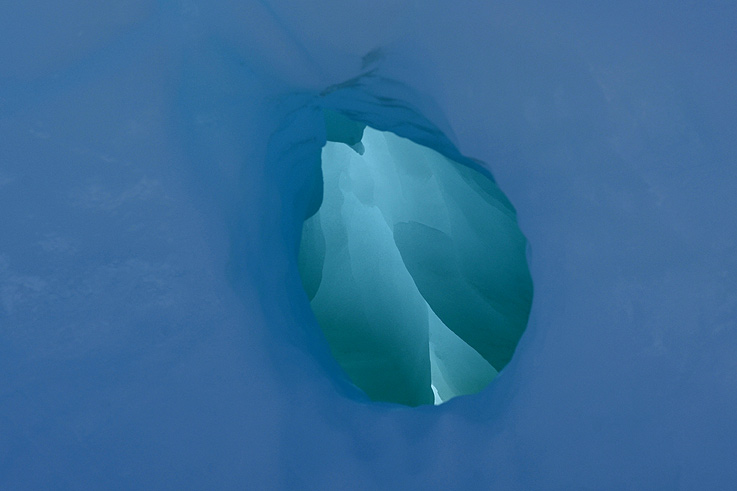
{"x": 157, "y": 159}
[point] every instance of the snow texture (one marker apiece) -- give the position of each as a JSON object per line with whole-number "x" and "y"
{"x": 157, "y": 160}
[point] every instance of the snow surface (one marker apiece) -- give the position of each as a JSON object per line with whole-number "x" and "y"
{"x": 153, "y": 330}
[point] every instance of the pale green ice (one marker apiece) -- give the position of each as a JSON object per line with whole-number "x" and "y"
{"x": 415, "y": 268}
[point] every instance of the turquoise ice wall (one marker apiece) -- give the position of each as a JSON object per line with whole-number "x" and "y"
{"x": 415, "y": 268}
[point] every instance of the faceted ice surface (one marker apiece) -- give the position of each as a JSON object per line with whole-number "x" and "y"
{"x": 415, "y": 268}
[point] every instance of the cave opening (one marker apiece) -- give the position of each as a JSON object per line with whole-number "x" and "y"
{"x": 414, "y": 266}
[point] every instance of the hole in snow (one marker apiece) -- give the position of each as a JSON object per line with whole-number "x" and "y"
{"x": 414, "y": 266}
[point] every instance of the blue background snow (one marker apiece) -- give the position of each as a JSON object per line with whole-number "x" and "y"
{"x": 153, "y": 331}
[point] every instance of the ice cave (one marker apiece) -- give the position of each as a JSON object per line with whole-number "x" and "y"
{"x": 414, "y": 266}
{"x": 263, "y": 244}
